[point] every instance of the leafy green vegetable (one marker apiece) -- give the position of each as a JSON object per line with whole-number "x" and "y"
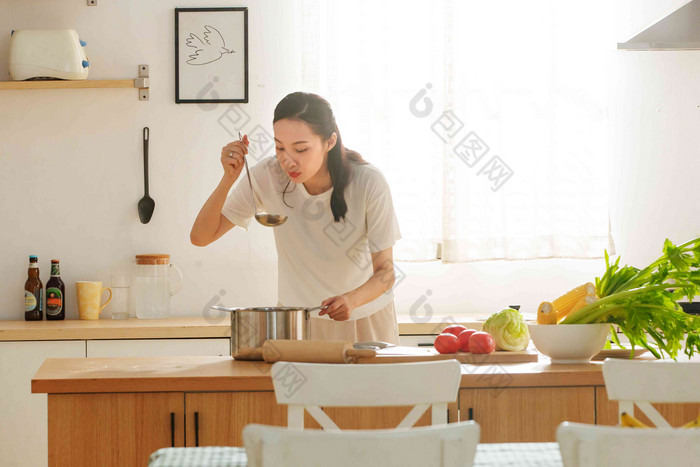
{"x": 643, "y": 302}
{"x": 508, "y": 329}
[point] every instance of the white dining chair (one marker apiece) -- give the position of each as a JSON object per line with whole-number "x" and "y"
{"x": 583, "y": 445}
{"x": 452, "y": 445}
{"x": 310, "y": 386}
{"x": 642, "y": 383}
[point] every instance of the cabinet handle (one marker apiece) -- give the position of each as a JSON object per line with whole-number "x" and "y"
{"x": 196, "y": 428}
{"x": 172, "y": 429}
{"x": 471, "y": 414}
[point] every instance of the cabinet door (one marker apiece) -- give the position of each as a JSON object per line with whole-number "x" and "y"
{"x": 158, "y": 347}
{"x": 218, "y": 418}
{"x": 113, "y": 429}
{"x": 23, "y": 432}
{"x": 675, "y": 414}
{"x": 525, "y": 415}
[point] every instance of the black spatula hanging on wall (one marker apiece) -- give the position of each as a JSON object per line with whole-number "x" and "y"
{"x": 146, "y": 204}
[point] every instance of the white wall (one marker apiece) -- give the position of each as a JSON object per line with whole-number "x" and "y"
{"x": 72, "y": 161}
{"x": 71, "y": 166}
{"x": 656, "y": 153}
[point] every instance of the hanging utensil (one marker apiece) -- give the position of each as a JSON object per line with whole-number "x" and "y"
{"x": 266, "y": 219}
{"x": 146, "y": 204}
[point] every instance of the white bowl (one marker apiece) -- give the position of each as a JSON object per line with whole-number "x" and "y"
{"x": 569, "y": 343}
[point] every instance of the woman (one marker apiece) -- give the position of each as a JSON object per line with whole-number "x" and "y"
{"x": 335, "y": 249}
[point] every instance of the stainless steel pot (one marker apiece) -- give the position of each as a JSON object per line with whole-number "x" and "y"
{"x": 251, "y": 327}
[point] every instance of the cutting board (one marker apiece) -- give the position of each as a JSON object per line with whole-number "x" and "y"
{"x": 404, "y": 354}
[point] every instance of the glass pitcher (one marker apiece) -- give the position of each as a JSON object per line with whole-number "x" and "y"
{"x": 151, "y": 287}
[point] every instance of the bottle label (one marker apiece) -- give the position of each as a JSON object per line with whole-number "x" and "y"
{"x": 55, "y": 269}
{"x": 54, "y": 301}
{"x": 29, "y": 301}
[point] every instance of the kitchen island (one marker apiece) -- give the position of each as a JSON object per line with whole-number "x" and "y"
{"x": 119, "y": 410}
{"x": 24, "y": 345}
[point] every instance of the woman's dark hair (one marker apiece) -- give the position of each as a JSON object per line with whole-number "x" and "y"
{"x": 315, "y": 111}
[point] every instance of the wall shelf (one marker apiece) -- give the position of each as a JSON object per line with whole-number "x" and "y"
{"x": 60, "y": 84}
{"x": 141, "y": 83}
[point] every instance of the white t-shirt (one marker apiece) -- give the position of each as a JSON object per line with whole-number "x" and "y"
{"x": 319, "y": 258}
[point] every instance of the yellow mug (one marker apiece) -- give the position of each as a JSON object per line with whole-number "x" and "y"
{"x": 89, "y": 298}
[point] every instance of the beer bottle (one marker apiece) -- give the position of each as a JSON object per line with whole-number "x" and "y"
{"x": 33, "y": 293}
{"x": 55, "y": 294}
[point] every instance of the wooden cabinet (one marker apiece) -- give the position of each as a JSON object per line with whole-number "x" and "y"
{"x": 23, "y": 415}
{"x": 524, "y": 415}
{"x": 123, "y": 429}
{"x": 218, "y": 418}
{"x": 23, "y": 432}
{"x": 369, "y": 418}
{"x": 113, "y": 429}
{"x": 675, "y": 414}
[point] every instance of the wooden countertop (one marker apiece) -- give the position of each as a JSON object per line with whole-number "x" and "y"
{"x": 75, "y": 329}
{"x": 170, "y": 328}
{"x": 174, "y": 374}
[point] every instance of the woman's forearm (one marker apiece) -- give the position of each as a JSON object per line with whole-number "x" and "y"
{"x": 209, "y": 217}
{"x": 381, "y": 282}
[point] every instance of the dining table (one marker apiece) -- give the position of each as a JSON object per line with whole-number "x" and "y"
{"x": 487, "y": 455}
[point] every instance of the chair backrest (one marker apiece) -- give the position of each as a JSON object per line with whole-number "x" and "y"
{"x": 594, "y": 445}
{"x": 310, "y": 386}
{"x": 452, "y": 445}
{"x": 642, "y": 383}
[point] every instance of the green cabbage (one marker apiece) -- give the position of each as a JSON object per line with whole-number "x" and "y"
{"x": 508, "y": 329}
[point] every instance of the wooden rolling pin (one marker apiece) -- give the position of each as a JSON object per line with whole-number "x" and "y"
{"x": 289, "y": 350}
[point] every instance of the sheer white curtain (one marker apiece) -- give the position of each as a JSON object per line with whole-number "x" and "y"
{"x": 488, "y": 118}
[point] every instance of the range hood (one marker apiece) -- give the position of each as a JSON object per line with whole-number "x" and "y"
{"x": 678, "y": 31}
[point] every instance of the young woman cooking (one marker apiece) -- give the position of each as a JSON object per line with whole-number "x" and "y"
{"x": 336, "y": 246}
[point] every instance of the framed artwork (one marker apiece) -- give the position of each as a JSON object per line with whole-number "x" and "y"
{"x": 211, "y": 55}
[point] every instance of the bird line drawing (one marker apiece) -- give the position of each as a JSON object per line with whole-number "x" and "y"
{"x": 208, "y": 50}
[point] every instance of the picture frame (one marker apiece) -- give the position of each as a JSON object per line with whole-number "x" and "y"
{"x": 211, "y": 55}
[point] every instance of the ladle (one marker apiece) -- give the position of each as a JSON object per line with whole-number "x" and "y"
{"x": 266, "y": 219}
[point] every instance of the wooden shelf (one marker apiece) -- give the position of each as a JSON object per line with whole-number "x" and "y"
{"x": 65, "y": 84}
{"x": 141, "y": 83}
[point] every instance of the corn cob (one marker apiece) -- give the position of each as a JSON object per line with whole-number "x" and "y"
{"x": 694, "y": 423}
{"x": 629, "y": 421}
{"x": 569, "y": 299}
{"x": 546, "y": 314}
{"x": 587, "y": 300}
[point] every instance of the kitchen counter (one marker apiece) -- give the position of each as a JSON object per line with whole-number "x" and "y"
{"x": 168, "y": 374}
{"x": 75, "y": 329}
{"x": 170, "y": 328}
{"x": 126, "y": 408}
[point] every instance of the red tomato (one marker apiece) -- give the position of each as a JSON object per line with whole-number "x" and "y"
{"x": 464, "y": 339}
{"x": 446, "y": 343}
{"x": 455, "y": 329}
{"x": 481, "y": 342}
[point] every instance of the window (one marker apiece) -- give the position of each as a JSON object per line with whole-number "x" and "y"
{"x": 488, "y": 118}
